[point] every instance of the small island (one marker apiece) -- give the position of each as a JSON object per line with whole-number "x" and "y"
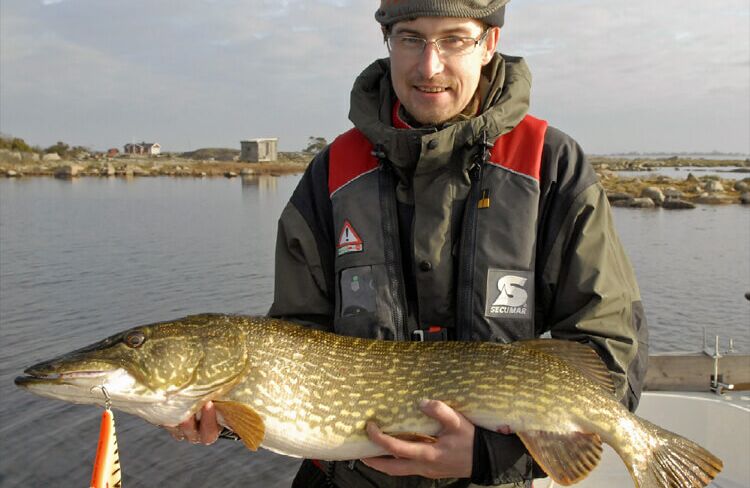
{"x": 630, "y": 181}
{"x": 705, "y": 181}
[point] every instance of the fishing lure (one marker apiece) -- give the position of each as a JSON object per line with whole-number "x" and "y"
{"x": 106, "y": 472}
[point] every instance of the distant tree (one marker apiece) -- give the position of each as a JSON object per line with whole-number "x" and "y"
{"x": 60, "y": 148}
{"x": 77, "y": 151}
{"x": 14, "y": 144}
{"x": 315, "y": 144}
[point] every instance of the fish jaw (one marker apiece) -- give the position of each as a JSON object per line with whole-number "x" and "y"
{"x": 124, "y": 392}
{"x": 83, "y": 386}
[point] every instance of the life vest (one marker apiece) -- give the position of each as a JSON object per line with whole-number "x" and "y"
{"x": 495, "y": 286}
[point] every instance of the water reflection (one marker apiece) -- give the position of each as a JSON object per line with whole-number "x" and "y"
{"x": 266, "y": 185}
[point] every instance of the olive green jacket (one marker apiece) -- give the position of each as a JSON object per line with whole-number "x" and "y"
{"x": 428, "y": 258}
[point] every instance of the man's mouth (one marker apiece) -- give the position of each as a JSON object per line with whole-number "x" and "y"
{"x": 431, "y": 89}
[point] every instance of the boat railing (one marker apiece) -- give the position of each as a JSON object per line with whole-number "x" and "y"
{"x": 710, "y": 369}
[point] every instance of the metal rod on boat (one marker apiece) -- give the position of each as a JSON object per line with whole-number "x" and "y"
{"x": 716, "y": 361}
{"x": 717, "y": 386}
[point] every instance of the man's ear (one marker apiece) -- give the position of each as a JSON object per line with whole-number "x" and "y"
{"x": 490, "y": 44}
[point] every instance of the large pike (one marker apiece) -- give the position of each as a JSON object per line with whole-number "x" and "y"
{"x": 307, "y": 393}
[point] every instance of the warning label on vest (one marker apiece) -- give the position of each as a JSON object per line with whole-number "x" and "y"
{"x": 349, "y": 240}
{"x": 510, "y": 294}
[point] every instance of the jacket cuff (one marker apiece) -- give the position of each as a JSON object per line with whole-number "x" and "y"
{"x": 499, "y": 459}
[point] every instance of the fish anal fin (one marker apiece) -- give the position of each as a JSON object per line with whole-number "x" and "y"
{"x": 414, "y": 437}
{"x": 244, "y": 421}
{"x": 580, "y": 356}
{"x": 566, "y": 458}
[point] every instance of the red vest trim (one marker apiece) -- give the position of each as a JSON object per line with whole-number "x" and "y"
{"x": 398, "y": 123}
{"x": 350, "y": 156}
{"x": 520, "y": 150}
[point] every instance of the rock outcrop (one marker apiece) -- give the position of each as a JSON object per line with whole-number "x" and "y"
{"x": 68, "y": 171}
{"x": 676, "y": 204}
{"x": 714, "y": 186}
{"x": 642, "y": 202}
{"x": 654, "y": 193}
{"x": 51, "y": 157}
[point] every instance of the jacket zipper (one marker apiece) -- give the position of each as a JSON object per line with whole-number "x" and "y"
{"x": 392, "y": 249}
{"x": 467, "y": 252}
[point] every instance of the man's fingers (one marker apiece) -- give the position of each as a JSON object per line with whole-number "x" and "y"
{"x": 208, "y": 428}
{"x": 176, "y": 433}
{"x": 448, "y": 418}
{"x": 396, "y": 447}
{"x": 505, "y": 430}
{"x": 189, "y": 429}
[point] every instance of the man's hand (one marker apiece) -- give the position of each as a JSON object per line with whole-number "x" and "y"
{"x": 449, "y": 457}
{"x": 201, "y": 428}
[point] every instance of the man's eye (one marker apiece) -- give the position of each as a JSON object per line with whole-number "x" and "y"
{"x": 411, "y": 41}
{"x": 451, "y": 42}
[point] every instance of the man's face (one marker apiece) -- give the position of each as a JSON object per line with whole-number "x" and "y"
{"x": 434, "y": 88}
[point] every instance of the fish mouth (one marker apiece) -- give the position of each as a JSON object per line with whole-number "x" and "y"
{"x": 37, "y": 377}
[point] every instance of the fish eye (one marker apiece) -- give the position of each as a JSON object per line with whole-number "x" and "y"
{"x": 135, "y": 339}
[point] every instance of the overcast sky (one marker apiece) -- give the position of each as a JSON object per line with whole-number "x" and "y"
{"x": 638, "y": 75}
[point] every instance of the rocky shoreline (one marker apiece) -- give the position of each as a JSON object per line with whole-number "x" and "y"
{"x": 17, "y": 165}
{"x": 657, "y": 190}
{"x": 622, "y": 191}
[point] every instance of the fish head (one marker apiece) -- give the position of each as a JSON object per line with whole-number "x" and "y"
{"x": 162, "y": 372}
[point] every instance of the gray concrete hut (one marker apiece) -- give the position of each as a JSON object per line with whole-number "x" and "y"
{"x": 259, "y": 150}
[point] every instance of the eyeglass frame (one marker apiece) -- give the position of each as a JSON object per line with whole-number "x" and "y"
{"x": 477, "y": 41}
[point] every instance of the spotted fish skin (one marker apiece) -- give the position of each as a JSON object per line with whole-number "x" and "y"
{"x": 307, "y": 393}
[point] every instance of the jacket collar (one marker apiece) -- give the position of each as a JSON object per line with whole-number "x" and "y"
{"x": 505, "y": 86}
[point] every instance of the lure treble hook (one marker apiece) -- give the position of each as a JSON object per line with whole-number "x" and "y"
{"x": 107, "y": 398}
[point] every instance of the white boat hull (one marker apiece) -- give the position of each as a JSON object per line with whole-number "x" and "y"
{"x": 721, "y": 424}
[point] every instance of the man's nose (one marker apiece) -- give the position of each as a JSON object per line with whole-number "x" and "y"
{"x": 430, "y": 64}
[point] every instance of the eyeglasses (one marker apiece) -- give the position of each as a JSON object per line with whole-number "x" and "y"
{"x": 446, "y": 46}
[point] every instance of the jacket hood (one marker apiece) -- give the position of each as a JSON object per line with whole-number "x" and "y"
{"x": 505, "y": 87}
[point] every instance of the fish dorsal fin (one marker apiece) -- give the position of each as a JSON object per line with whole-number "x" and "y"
{"x": 580, "y": 356}
{"x": 566, "y": 458}
{"x": 244, "y": 421}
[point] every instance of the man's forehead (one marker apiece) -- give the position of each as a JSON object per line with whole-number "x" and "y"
{"x": 438, "y": 25}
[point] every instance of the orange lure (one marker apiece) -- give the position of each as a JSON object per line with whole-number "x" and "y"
{"x": 107, "y": 463}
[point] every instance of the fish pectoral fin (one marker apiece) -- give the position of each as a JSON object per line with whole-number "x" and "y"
{"x": 414, "y": 437}
{"x": 580, "y": 356}
{"x": 566, "y": 458}
{"x": 244, "y": 421}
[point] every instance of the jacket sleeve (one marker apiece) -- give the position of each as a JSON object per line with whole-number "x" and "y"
{"x": 303, "y": 286}
{"x": 586, "y": 291}
{"x": 588, "y": 288}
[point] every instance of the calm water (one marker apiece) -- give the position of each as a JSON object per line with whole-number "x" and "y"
{"x": 83, "y": 259}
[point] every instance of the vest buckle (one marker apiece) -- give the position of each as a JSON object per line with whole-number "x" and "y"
{"x": 430, "y": 334}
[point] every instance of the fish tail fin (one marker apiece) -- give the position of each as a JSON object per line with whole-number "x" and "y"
{"x": 673, "y": 462}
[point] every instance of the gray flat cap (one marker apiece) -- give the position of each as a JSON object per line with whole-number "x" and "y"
{"x": 491, "y": 12}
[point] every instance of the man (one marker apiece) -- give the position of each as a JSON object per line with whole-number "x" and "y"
{"x": 448, "y": 213}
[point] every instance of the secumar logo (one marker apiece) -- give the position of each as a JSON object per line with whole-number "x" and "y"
{"x": 509, "y": 294}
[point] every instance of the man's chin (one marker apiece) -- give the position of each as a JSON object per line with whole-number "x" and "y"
{"x": 435, "y": 120}
{"x": 430, "y": 117}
